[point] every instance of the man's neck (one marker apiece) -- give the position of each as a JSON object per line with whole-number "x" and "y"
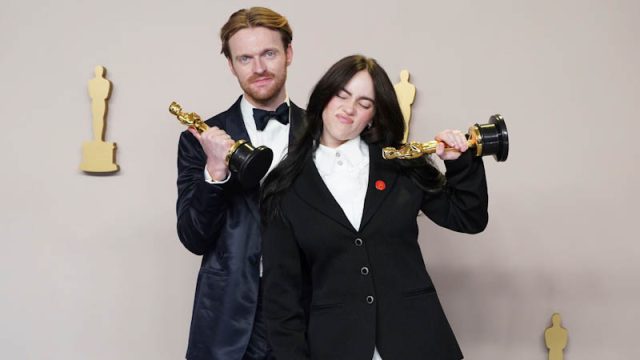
{"x": 270, "y": 104}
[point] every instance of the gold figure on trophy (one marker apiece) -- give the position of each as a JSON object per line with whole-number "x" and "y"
{"x": 190, "y": 119}
{"x": 556, "y": 338}
{"x": 248, "y": 163}
{"x": 98, "y": 156}
{"x": 406, "y": 93}
{"x": 487, "y": 139}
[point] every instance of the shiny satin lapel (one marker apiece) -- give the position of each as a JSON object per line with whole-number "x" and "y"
{"x": 382, "y": 178}
{"x": 234, "y": 126}
{"x": 297, "y": 122}
{"x": 312, "y": 190}
{"x": 252, "y": 198}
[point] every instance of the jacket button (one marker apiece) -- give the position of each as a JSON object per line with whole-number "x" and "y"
{"x": 358, "y": 242}
{"x": 369, "y": 299}
{"x": 364, "y": 270}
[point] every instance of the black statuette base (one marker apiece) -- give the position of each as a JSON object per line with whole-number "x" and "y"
{"x": 250, "y": 164}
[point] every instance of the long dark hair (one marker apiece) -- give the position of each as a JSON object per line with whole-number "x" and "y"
{"x": 387, "y": 129}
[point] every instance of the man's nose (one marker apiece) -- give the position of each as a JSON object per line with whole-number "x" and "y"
{"x": 258, "y": 66}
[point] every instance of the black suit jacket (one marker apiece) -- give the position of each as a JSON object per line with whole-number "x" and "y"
{"x": 221, "y": 223}
{"x": 369, "y": 286}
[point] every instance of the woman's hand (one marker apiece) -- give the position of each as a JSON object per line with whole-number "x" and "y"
{"x": 454, "y": 140}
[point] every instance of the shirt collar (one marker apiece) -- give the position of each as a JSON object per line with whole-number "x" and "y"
{"x": 353, "y": 154}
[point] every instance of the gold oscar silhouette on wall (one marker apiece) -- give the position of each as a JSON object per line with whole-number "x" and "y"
{"x": 406, "y": 93}
{"x": 98, "y": 156}
{"x": 555, "y": 337}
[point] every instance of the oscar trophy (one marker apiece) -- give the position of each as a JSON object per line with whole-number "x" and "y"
{"x": 249, "y": 164}
{"x": 487, "y": 139}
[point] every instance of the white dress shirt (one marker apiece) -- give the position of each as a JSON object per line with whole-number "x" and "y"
{"x": 274, "y": 136}
{"x": 345, "y": 171}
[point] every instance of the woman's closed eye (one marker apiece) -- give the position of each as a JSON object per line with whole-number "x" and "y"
{"x": 365, "y": 104}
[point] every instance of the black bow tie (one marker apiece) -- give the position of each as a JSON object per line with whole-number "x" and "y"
{"x": 262, "y": 117}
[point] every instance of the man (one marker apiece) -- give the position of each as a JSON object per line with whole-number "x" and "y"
{"x": 218, "y": 218}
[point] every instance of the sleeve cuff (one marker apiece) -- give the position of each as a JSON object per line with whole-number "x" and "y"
{"x": 209, "y": 179}
{"x": 465, "y": 163}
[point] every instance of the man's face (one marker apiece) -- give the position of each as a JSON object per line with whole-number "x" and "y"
{"x": 259, "y": 61}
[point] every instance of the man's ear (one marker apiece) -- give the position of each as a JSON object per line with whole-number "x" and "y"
{"x": 289, "y": 53}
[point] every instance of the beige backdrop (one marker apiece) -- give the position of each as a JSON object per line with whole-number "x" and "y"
{"x": 91, "y": 268}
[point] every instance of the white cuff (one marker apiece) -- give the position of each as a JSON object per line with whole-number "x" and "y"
{"x": 209, "y": 179}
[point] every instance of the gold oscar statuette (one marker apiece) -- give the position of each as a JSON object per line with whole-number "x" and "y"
{"x": 98, "y": 156}
{"x": 487, "y": 139}
{"x": 249, "y": 164}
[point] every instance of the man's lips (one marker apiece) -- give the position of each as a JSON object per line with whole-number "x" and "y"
{"x": 262, "y": 80}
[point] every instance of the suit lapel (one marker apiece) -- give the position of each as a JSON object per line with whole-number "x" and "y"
{"x": 311, "y": 189}
{"x": 382, "y": 178}
{"x": 297, "y": 122}
{"x": 234, "y": 124}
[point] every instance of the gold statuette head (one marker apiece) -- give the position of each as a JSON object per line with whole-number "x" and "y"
{"x": 190, "y": 119}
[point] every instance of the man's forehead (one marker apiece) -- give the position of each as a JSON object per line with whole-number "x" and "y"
{"x": 254, "y": 41}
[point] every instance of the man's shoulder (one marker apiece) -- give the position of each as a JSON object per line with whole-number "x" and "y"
{"x": 297, "y": 108}
{"x": 219, "y": 120}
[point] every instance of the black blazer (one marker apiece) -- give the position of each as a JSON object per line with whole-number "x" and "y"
{"x": 369, "y": 287}
{"x": 221, "y": 223}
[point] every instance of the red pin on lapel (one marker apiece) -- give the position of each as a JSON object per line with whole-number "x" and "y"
{"x": 380, "y": 185}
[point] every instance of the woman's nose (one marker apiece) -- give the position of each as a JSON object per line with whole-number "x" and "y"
{"x": 349, "y": 107}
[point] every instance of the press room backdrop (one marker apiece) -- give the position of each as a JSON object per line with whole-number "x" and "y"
{"x": 91, "y": 267}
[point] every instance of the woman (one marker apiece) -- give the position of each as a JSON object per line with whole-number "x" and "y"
{"x": 344, "y": 277}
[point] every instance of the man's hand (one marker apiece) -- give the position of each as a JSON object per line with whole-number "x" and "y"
{"x": 216, "y": 144}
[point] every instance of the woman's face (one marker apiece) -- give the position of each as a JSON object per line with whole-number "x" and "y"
{"x": 349, "y": 111}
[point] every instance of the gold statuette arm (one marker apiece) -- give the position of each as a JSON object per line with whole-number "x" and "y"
{"x": 190, "y": 119}
{"x": 415, "y": 149}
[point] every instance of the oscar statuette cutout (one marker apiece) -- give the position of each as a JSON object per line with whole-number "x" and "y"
{"x": 98, "y": 156}
{"x": 406, "y": 94}
{"x": 556, "y": 338}
{"x": 249, "y": 164}
{"x": 487, "y": 139}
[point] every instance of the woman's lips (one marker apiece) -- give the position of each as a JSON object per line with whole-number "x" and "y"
{"x": 344, "y": 119}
